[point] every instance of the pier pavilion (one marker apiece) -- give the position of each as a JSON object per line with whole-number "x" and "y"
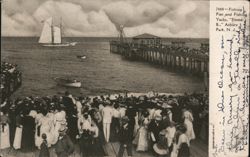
{"x": 147, "y": 39}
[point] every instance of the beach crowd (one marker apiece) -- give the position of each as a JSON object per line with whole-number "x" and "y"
{"x": 163, "y": 124}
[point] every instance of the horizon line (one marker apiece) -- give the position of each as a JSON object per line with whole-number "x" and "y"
{"x": 99, "y": 37}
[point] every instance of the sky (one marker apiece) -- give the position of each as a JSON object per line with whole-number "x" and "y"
{"x": 101, "y": 18}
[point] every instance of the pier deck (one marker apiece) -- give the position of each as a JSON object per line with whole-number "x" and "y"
{"x": 183, "y": 59}
{"x": 197, "y": 149}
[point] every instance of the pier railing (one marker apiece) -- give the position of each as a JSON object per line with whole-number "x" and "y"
{"x": 182, "y": 58}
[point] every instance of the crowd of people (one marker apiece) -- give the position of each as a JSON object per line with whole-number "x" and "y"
{"x": 11, "y": 79}
{"x": 180, "y": 49}
{"x": 159, "y": 123}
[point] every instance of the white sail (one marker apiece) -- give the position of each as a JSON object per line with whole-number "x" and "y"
{"x": 46, "y": 35}
{"x": 57, "y": 35}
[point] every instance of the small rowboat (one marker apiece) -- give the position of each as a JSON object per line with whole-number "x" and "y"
{"x": 68, "y": 82}
{"x": 81, "y": 57}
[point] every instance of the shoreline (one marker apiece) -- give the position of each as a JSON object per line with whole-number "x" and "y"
{"x": 129, "y": 94}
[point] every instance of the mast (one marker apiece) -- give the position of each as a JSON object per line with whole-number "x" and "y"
{"x": 61, "y": 28}
{"x": 52, "y": 32}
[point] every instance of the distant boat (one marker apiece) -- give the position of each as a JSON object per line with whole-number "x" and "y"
{"x": 68, "y": 82}
{"x": 51, "y": 35}
{"x": 81, "y": 56}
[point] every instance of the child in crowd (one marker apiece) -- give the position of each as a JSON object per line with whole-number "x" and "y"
{"x": 44, "y": 152}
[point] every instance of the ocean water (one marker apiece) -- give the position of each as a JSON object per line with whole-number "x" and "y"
{"x": 100, "y": 73}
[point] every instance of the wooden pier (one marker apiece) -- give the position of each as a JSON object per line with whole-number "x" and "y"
{"x": 176, "y": 57}
{"x": 184, "y": 59}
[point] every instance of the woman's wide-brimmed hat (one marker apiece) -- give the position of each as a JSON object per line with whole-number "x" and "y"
{"x": 124, "y": 120}
{"x": 158, "y": 117}
{"x": 113, "y": 97}
{"x": 107, "y": 102}
{"x": 163, "y": 132}
{"x": 142, "y": 98}
{"x": 182, "y": 128}
{"x": 63, "y": 129}
{"x": 33, "y": 113}
{"x": 172, "y": 123}
{"x": 160, "y": 149}
{"x": 166, "y": 105}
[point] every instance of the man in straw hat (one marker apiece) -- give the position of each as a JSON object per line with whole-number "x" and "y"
{"x": 64, "y": 146}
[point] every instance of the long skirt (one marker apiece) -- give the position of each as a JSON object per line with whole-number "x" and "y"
{"x": 4, "y": 136}
{"x": 73, "y": 131}
{"x": 55, "y": 133}
{"x": 49, "y": 131}
{"x": 114, "y": 132}
{"x": 28, "y": 139}
{"x": 38, "y": 137}
{"x": 190, "y": 131}
{"x": 184, "y": 150}
{"x": 174, "y": 152}
{"x": 18, "y": 138}
{"x": 142, "y": 139}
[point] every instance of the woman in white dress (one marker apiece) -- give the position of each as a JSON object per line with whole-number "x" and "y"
{"x": 180, "y": 139}
{"x": 59, "y": 118}
{"x": 122, "y": 111}
{"x": 78, "y": 108}
{"x": 151, "y": 111}
{"x": 94, "y": 129}
{"x": 38, "y": 135}
{"x": 142, "y": 138}
{"x": 188, "y": 121}
{"x": 137, "y": 126}
{"x": 4, "y": 131}
{"x": 170, "y": 133}
{"x": 183, "y": 144}
{"x": 18, "y": 133}
{"x": 83, "y": 123}
{"x": 48, "y": 129}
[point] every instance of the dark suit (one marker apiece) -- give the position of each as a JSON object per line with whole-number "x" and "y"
{"x": 44, "y": 152}
{"x": 126, "y": 137}
{"x": 64, "y": 147}
{"x": 69, "y": 105}
{"x": 164, "y": 123}
{"x": 28, "y": 134}
{"x": 155, "y": 128}
{"x": 70, "y": 109}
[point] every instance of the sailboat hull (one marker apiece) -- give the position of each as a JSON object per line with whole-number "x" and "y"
{"x": 60, "y": 45}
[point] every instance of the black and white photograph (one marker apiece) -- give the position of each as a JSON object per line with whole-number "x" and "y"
{"x": 104, "y": 78}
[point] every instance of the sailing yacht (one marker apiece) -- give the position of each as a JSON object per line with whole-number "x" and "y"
{"x": 51, "y": 35}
